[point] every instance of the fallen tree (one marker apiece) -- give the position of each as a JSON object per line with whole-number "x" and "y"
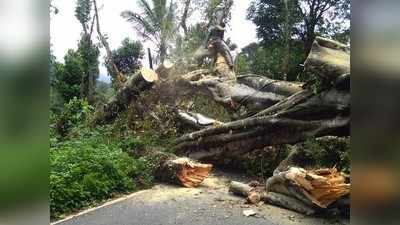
{"x": 305, "y": 114}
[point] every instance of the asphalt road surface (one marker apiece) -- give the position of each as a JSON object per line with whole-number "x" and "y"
{"x": 209, "y": 204}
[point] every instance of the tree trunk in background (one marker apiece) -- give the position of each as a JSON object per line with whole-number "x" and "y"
{"x": 163, "y": 51}
{"x": 109, "y": 60}
{"x": 91, "y": 88}
{"x": 185, "y": 16}
{"x": 287, "y": 37}
{"x": 150, "y": 58}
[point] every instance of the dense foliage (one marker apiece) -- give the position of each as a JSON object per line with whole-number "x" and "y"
{"x": 268, "y": 61}
{"x": 288, "y": 28}
{"x": 302, "y": 19}
{"x": 68, "y": 75}
{"x": 87, "y": 170}
{"x": 91, "y": 164}
{"x": 127, "y": 58}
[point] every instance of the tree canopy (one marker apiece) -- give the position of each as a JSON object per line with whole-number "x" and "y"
{"x": 127, "y": 57}
{"x": 307, "y": 19}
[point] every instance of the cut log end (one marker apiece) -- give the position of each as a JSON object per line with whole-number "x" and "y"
{"x": 167, "y": 64}
{"x": 192, "y": 174}
{"x": 322, "y": 187}
{"x": 148, "y": 74}
{"x": 164, "y": 69}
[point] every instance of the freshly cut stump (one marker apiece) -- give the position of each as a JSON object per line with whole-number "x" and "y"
{"x": 176, "y": 170}
{"x": 148, "y": 75}
{"x": 164, "y": 69}
{"x": 140, "y": 81}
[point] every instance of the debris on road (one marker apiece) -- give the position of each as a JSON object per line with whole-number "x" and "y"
{"x": 249, "y": 212}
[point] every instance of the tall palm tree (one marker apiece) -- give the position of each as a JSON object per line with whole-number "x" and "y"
{"x": 156, "y": 22}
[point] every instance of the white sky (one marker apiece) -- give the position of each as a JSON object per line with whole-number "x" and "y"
{"x": 65, "y": 28}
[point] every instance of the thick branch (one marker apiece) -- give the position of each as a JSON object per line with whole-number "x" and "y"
{"x": 196, "y": 120}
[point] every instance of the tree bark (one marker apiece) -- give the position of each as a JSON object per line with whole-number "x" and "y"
{"x": 247, "y": 135}
{"x": 329, "y": 59}
{"x": 110, "y": 61}
{"x": 196, "y": 120}
{"x": 253, "y": 92}
{"x": 315, "y": 188}
{"x": 254, "y": 195}
{"x": 303, "y": 115}
{"x": 141, "y": 81}
{"x": 185, "y": 16}
{"x": 297, "y": 189}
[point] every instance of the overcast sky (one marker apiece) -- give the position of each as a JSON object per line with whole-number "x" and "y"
{"x": 65, "y": 28}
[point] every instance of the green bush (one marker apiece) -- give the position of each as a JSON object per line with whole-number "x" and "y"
{"x": 76, "y": 112}
{"x": 90, "y": 168}
{"x": 328, "y": 152}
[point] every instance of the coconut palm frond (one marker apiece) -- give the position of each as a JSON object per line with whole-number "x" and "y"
{"x": 160, "y": 9}
{"x": 148, "y": 12}
{"x": 141, "y": 25}
{"x": 156, "y": 22}
{"x": 169, "y": 26}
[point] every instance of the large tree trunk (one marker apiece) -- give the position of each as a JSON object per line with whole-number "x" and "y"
{"x": 253, "y": 92}
{"x": 303, "y": 115}
{"x": 141, "y": 81}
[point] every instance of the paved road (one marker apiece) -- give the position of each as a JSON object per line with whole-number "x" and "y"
{"x": 210, "y": 204}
